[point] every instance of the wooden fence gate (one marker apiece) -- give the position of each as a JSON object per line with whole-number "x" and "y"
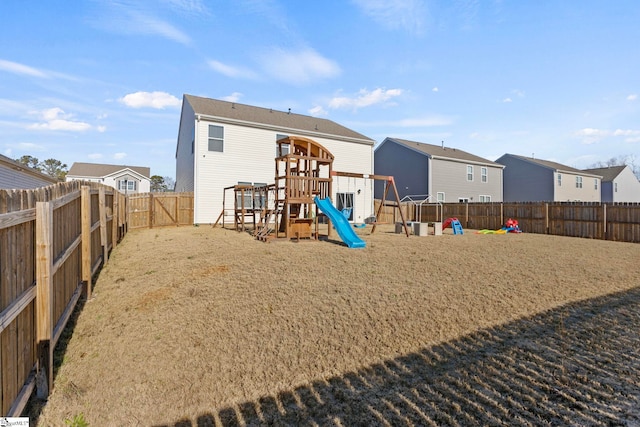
{"x": 160, "y": 210}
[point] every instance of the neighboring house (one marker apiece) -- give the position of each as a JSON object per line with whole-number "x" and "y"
{"x": 444, "y": 174}
{"x": 15, "y": 175}
{"x": 221, "y": 144}
{"x": 619, "y": 184}
{"x": 527, "y": 179}
{"x": 127, "y": 179}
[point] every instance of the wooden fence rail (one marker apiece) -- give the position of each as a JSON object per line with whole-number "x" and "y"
{"x": 52, "y": 241}
{"x": 606, "y": 221}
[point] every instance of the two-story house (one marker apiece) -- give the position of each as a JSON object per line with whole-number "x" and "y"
{"x": 619, "y": 184}
{"x": 527, "y": 179}
{"x": 436, "y": 172}
{"x": 221, "y": 144}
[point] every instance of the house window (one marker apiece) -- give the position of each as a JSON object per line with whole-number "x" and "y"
{"x": 595, "y": 183}
{"x": 248, "y": 201}
{"x": 578, "y": 182}
{"x": 127, "y": 185}
{"x": 485, "y": 199}
{"x": 193, "y": 140}
{"x": 463, "y": 200}
{"x": 344, "y": 203}
{"x": 440, "y": 197}
{"x": 216, "y": 138}
{"x": 615, "y": 187}
{"x": 282, "y": 149}
{"x": 559, "y": 180}
{"x": 484, "y": 176}
{"x": 469, "y": 173}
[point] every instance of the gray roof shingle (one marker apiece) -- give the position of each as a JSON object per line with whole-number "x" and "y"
{"x": 100, "y": 170}
{"x": 443, "y": 152}
{"x": 608, "y": 174}
{"x": 553, "y": 165}
{"x": 266, "y": 116}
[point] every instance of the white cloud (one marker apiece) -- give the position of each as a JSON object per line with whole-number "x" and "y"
{"x": 101, "y": 128}
{"x": 234, "y": 97}
{"x": 56, "y": 119}
{"x": 632, "y": 97}
{"x": 16, "y": 68}
{"x": 29, "y": 146}
{"x": 158, "y": 100}
{"x": 365, "y": 98}
{"x": 507, "y": 100}
{"x": 231, "y": 71}
{"x": 591, "y": 135}
{"x": 135, "y": 18}
{"x": 318, "y": 111}
{"x": 94, "y": 156}
{"x": 407, "y": 15}
{"x": 298, "y": 67}
{"x": 119, "y": 156}
{"x": 189, "y": 6}
{"x": 435, "y": 89}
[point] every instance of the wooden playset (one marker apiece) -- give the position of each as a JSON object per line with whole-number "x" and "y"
{"x": 286, "y": 209}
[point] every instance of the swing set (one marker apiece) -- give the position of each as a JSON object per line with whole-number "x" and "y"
{"x": 389, "y": 183}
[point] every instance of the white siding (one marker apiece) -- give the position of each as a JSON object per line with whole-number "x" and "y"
{"x": 628, "y": 187}
{"x": 450, "y": 177}
{"x": 569, "y": 192}
{"x": 249, "y": 156}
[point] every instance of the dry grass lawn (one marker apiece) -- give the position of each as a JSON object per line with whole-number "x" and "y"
{"x": 195, "y": 326}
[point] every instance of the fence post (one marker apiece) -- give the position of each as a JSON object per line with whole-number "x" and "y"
{"x": 85, "y": 193}
{"x": 151, "y": 203}
{"x": 103, "y": 225}
{"x": 44, "y": 297}
{"x": 604, "y": 221}
{"x": 114, "y": 219}
{"x": 546, "y": 218}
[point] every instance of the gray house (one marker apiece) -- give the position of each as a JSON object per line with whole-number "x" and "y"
{"x": 442, "y": 173}
{"x": 619, "y": 184}
{"x": 527, "y": 179}
{"x": 15, "y": 175}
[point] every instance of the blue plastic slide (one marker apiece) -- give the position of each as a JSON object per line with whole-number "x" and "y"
{"x": 344, "y": 229}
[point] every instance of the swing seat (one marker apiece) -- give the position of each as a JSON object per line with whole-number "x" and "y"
{"x": 347, "y": 212}
{"x": 359, "y": 225}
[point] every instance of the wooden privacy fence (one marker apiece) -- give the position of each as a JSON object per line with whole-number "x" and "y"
{"x": 52, "y": 241}
{"x": 160, "y": 209}
{"x": 606, "y": 221}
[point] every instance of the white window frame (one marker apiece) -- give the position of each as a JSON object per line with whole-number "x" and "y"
{"x": 127, "y": 185}
{"x": 578, "y": 182}
{"x": 463, "y": 200}
{"x": 559, "y": 180}
{"x": 484, "y": 174}
{"x": 484, "y": 198}
{"x": 469, "y": 172}
{"x": 217, "y": 141}
{"x": 595, "y": 183}
{"x": 440, "y": 196}
{"x": 286, "y": 148}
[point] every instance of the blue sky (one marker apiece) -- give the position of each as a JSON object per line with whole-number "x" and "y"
{"x": 102, "y": 80}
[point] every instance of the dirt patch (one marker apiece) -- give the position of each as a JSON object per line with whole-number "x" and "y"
{"x": 202, "y": 326}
